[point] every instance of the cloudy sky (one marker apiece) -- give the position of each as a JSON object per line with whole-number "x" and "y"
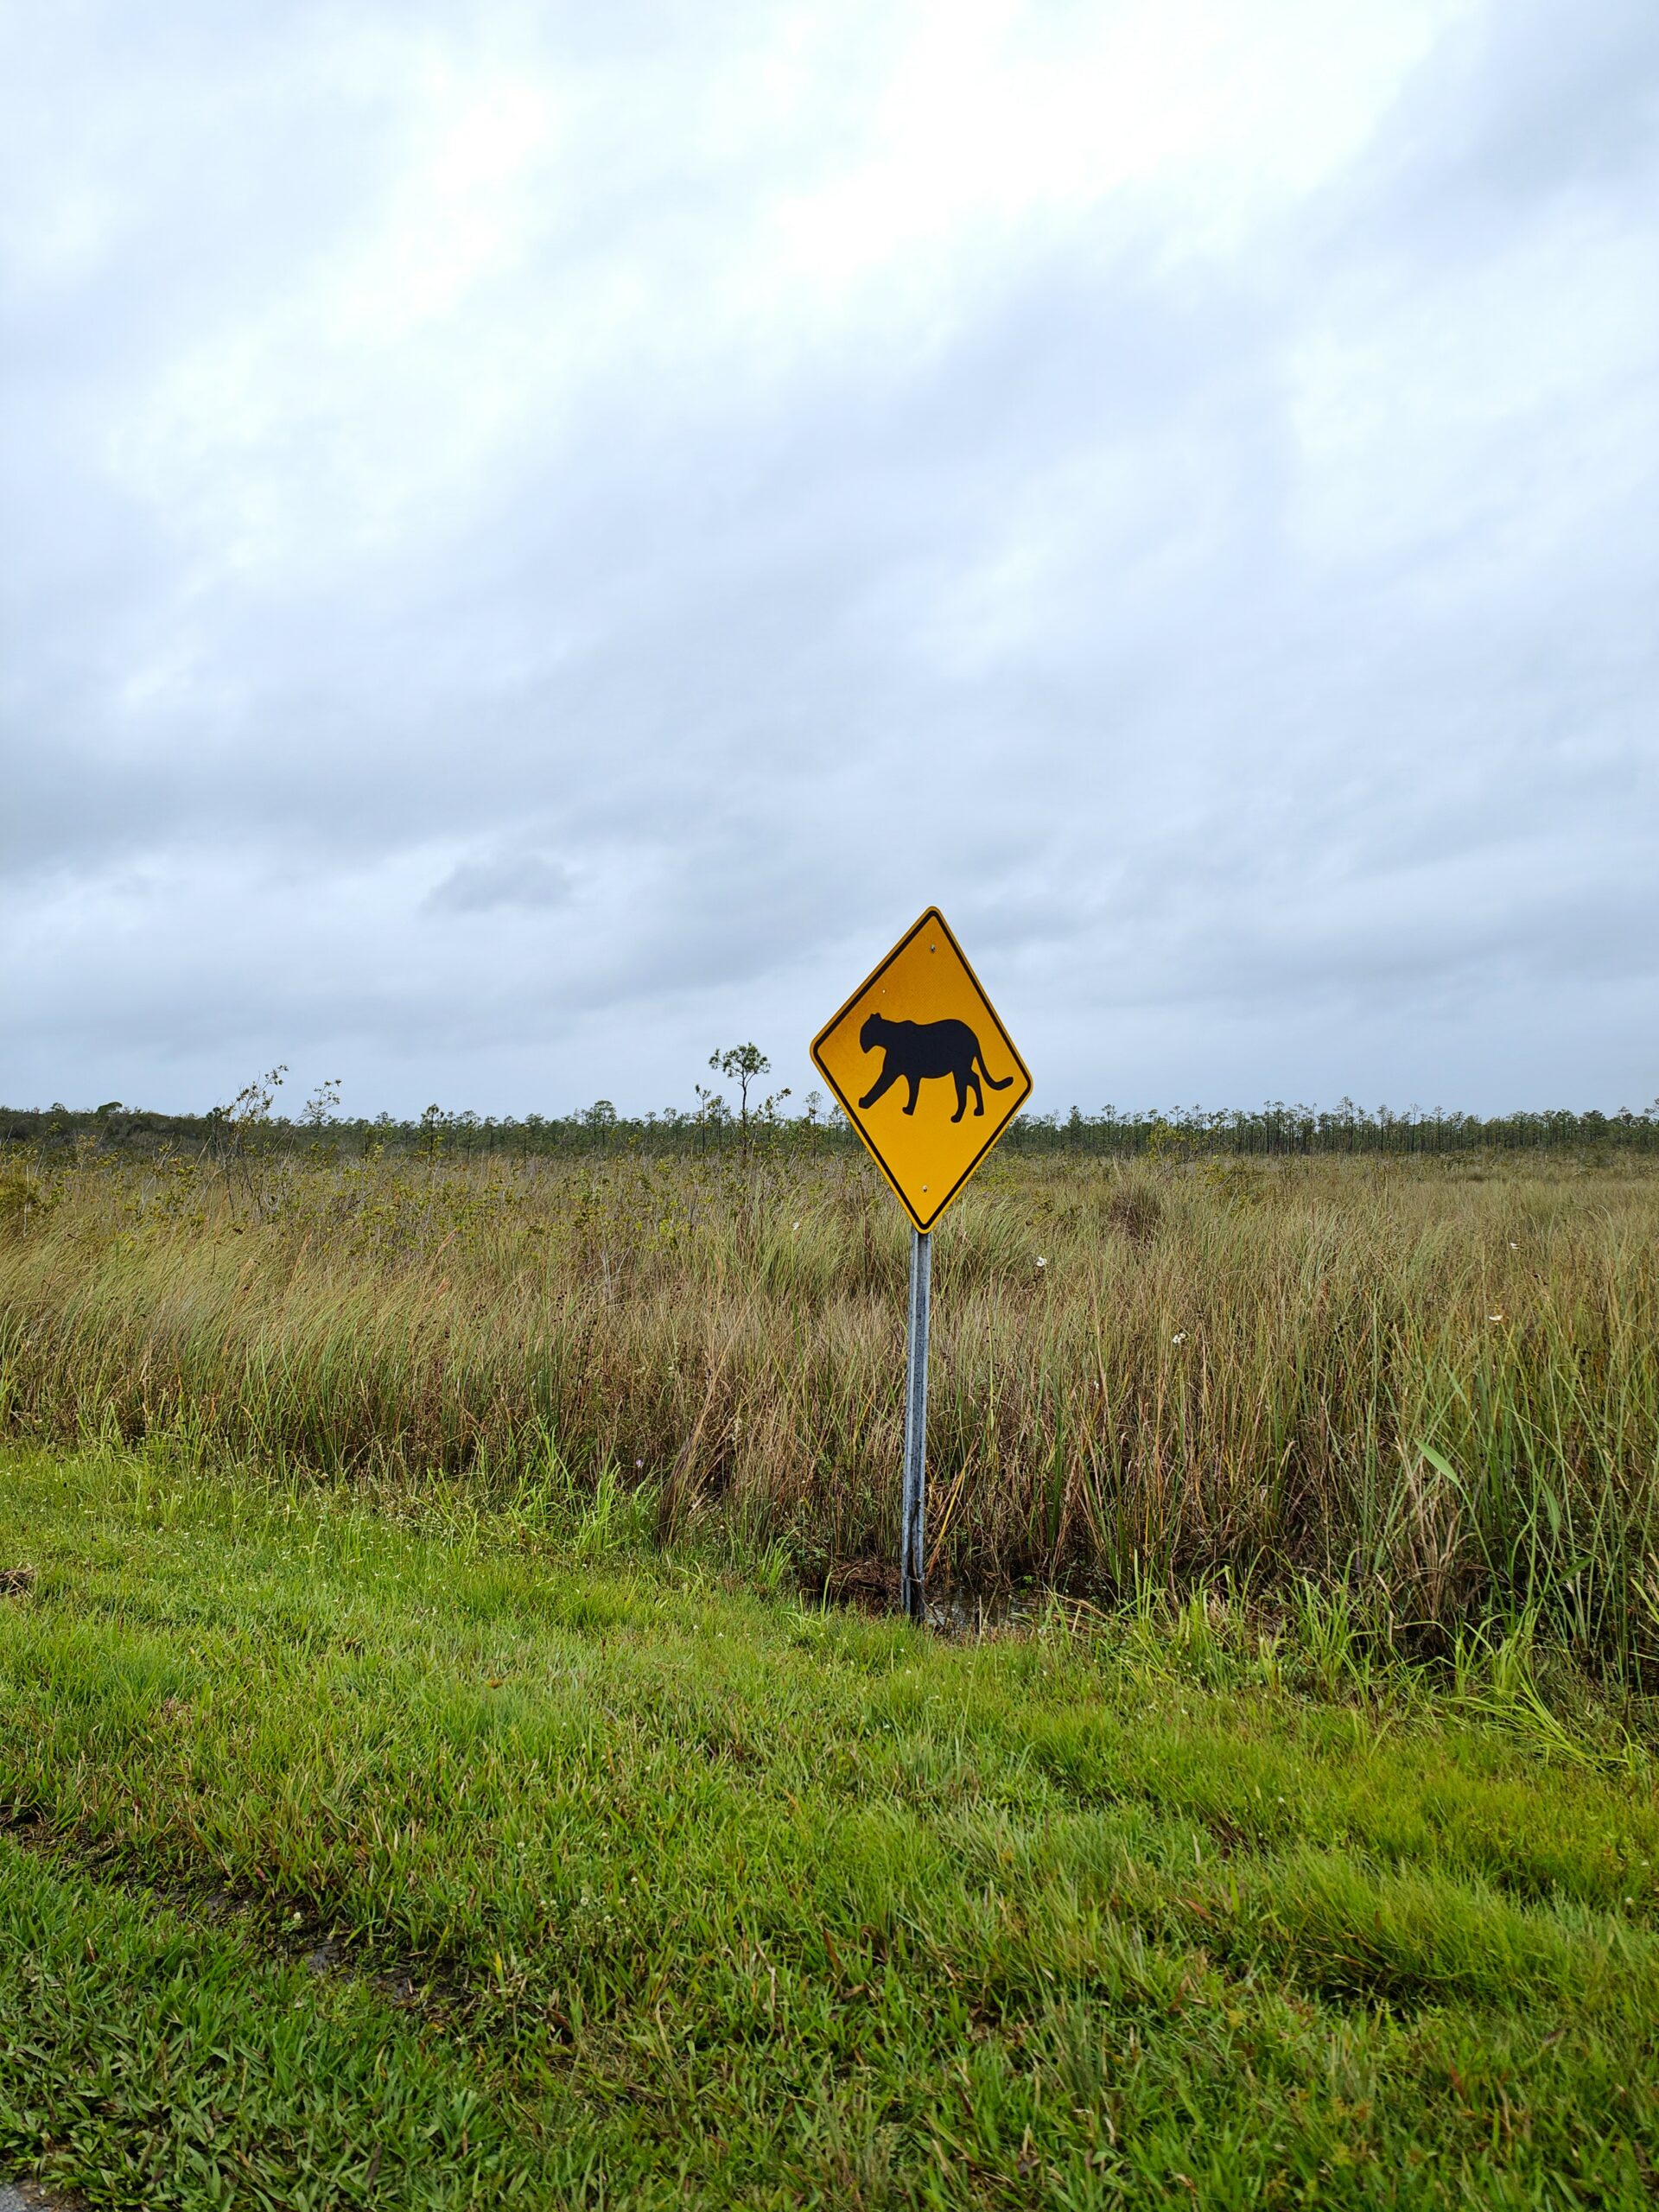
{"x": 538, "y": 537}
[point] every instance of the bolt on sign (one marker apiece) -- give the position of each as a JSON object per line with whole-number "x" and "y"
{"x": 923, "y": 1068}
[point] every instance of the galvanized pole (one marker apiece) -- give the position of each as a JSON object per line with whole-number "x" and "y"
{"x": 912, "y": 1544}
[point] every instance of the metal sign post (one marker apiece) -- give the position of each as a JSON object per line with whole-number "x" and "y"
{"x": 912, "y": 1541}
{"x": 921, "y": 1065}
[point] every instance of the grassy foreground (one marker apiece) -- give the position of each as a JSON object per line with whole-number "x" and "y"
{"x": 469, "y": 1863}
{"x": 1432, "y": 1388}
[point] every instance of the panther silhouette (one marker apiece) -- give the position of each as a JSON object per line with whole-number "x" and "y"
{"x": 919, "y": 1050}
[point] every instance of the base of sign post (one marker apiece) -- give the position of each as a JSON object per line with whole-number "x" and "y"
{"x": 912, "y": 1541}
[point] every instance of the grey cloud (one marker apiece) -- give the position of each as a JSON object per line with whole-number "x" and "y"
{"x": 1535, "y": 100}
{"x": 526, "y": 880}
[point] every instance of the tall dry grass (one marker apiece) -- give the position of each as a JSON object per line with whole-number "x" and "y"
{"x": 1438, "y": 1385}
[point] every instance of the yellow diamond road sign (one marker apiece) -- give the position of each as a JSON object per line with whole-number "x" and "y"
{"x": 923, "y": 1068}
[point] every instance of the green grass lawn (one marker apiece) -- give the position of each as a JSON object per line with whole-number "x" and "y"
{"x": 346, "y": 1862}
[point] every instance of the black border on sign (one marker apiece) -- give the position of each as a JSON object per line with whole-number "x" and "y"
{"x": 930, "y": 914}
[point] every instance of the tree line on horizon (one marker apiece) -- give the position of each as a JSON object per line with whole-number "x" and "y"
{"x": 715, "y": 1126}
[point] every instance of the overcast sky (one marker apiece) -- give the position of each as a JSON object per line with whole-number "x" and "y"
{"x": 537, "y": 538}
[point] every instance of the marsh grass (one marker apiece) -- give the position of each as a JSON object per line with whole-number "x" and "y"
{"x": 1427, "y": 1393}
